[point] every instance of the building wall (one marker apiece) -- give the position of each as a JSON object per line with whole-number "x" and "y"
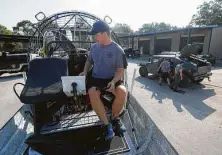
{"x": 176, "y": 38}
{"x": 211, "y": 45}
{"x": 175, "y": 41}
{"x": 152, "y": 44}
{"x": 216, "y": 43}
{"x": 206, "y": 42}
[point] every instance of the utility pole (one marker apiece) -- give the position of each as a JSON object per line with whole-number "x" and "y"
{"x": 188, "y": 38}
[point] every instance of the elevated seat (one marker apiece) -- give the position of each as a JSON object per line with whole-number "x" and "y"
{"x": 44, "y": 85}
{"x": 44, "y": 82}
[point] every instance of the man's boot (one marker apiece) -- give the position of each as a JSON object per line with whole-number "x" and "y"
{"x": 118, "y": 125}
{"x": 109, "y": 132}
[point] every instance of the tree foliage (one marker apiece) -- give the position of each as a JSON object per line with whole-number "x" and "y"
{"x": 122, "y": 28}
{"x": 26, "y": 26}
{"x": 155, "y": 27}
{"x": 208, "y": 13}
{"x": 4, "y": 30}
{"x": 11, "y": 46}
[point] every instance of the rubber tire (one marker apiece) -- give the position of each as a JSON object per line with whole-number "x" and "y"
{"x": 143, "y": 71}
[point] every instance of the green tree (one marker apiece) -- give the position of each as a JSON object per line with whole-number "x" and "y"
{"x": 208, "y": 13}
{"x": 26, "y": 25}
{"x": 155, "y": 27}
{"x": 122, "y": 28}
{"x": 4, "y": 30}
{"x": 12, "y": 46}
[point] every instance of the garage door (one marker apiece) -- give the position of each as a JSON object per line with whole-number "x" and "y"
{"x": 146, "y": 46}
{"x": 163, "y": 45}
{"x": 183, "y": 40}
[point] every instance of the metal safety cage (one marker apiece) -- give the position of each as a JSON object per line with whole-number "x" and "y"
{"x": 70, "y": 26}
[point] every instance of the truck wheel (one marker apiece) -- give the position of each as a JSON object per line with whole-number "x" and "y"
{"x": 143, "y": 71}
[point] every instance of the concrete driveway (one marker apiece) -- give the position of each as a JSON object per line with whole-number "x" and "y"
{"x": 9, "y": 103}
{"x": 190, "y": 121}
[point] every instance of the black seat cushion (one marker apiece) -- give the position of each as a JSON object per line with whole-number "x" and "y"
{"x": 44, "y": 82}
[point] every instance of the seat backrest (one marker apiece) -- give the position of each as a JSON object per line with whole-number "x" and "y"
{"x": 46, "y": 71}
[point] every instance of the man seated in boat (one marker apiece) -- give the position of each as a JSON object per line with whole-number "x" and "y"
{"x": 108, "y": 61}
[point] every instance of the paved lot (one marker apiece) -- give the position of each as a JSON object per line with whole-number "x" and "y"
{"x": 191, "y": 121}
{"x": 9, "y": 103}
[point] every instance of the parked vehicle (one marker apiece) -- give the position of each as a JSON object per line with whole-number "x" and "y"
{"x": 13, "y": 63}
{"x": 210, "y": 58}
{"x": 132, "y": 53}
{"x": 195, "y": 69}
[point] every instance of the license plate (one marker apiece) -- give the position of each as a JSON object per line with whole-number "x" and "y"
{"x": 202, "y": 70}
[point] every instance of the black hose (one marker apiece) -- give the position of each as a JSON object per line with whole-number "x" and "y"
{"x": 15, "y": 90}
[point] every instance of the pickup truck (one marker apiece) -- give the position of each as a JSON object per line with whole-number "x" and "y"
{"x": 13, "y": 63}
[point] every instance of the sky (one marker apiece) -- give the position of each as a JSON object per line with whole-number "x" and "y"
{"x": 134, "y": 13}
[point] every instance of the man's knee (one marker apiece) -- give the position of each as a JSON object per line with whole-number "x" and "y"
{"x": 93, "y": 93}
{"x": 121, "y": 91}
{"x": 118, "y": 105}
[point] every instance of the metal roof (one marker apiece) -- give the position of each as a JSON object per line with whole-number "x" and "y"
{"x": 171, "y": 31}
{"x": 14, "y": 37}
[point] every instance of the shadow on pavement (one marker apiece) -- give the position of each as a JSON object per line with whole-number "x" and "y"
{"x": 10, "y": 77}
{"x": 192, "y": 100}
{"x": 14, "y": 133}
{"x": 216, "y": 67}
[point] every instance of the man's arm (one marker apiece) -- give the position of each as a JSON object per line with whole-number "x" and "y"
{"x": 88, "y": 64}
{"x": 158, "y": 69}
{"x": 87, "y": 67}
{"x": 119, "y": 74}
{"x": 121, "y": 65}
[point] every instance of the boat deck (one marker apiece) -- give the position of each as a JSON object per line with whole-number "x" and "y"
{"x": 84, "y": 134}
{"x": 74, "y": 121}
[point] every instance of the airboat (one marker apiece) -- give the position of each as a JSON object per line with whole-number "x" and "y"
{"x": 56, "y": 117}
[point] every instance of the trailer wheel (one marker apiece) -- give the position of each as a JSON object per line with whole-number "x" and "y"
{"x": 143, "y": 71}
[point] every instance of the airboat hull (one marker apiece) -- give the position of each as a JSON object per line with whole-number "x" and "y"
{"x": 27, "y": 132}
{"x": 147, "y": 138}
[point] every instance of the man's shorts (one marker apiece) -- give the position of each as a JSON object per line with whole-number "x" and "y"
{"x": 100, "y": 83}
{"x": 164, "y": 74}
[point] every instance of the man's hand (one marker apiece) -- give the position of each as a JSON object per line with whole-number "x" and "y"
{"x": 111, "y": 87}
{"x": 82, "y": 74}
